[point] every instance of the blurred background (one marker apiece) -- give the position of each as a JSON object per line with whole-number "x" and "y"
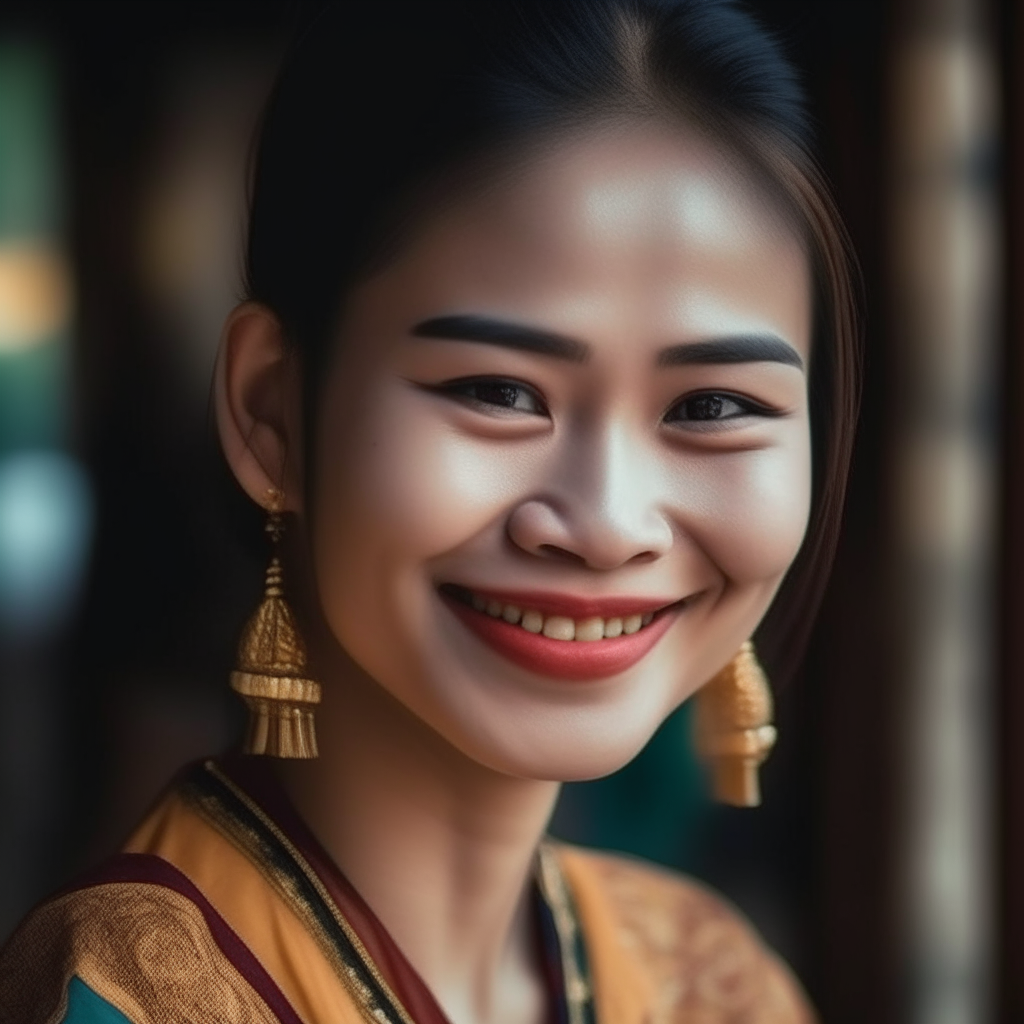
{"x": 887, "y": 863}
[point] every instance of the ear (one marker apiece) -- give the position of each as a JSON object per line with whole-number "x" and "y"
{"x": 257, "y": 397}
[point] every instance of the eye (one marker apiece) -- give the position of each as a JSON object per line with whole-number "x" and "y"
{"x": 712, "y": 406}
{"x": 496, "y": 393}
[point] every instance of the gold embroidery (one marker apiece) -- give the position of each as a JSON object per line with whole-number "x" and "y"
{"x": 143, "y": 948}
{"x": 705, "y": 964}
{"x": 553, "y": 888}
{"x": 236, "y": 832}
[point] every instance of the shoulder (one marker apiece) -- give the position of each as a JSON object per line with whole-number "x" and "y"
{"x": 700, "y": 958}
{"x": 129, "y": 943}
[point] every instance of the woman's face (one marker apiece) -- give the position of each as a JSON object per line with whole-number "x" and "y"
{"x": 564, "y": 451}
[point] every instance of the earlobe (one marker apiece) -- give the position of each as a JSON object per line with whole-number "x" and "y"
{"x": 257, "y": 400}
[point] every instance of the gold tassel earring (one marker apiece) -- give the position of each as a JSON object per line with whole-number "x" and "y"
{"x": 734, "y": 730}
{"x": 271, "y": 673}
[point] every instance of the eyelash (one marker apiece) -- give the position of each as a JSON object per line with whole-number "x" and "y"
{"x": 491, "y": 394}
{"x": 707, "y": 407}
{"x": 494, "y": 393}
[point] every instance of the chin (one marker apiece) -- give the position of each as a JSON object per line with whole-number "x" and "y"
{"x": 571, "y": 755}
{"x": 533, "y": 728}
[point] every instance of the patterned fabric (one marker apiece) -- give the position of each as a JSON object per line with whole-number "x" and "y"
{"x": 225, "y": 909}
{"x": 697, "y": 960}
{"x": 140, "y": 938}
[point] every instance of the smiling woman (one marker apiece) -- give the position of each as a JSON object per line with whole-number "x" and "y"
{"x": 547, "y": 365}
{"x": 615, "y": 450}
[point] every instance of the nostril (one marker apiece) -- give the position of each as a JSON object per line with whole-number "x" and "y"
{"x": 644, "y": 557}
{"x": 563, "y": 554}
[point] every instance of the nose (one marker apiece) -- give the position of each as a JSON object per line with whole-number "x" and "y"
{"x": 603, "y": 505}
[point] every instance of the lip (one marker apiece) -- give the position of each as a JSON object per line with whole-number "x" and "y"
{"x": 574, "y": 660}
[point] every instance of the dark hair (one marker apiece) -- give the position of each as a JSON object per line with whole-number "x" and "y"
{"x": 379, "y": 101}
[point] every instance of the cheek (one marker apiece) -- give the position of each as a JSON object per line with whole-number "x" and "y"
{"x": 753, "y": 511}
{"x": 403, "y": 482}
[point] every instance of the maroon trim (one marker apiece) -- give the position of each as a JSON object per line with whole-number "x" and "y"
{"x": 550, "y": 960}
{"x": 256, "y": 777}
{"x": 147, "y": 869}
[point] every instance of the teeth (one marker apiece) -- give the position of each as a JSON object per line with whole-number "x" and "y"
{"x": 590, "y": 629}
{"x": 532, "y": 622}
{"x": 560, "y": 627}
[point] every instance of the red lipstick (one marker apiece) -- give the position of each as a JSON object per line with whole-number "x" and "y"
{"x": 564, "y": 659}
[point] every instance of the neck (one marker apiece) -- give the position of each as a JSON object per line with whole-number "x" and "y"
{"x": 440, "y": 847}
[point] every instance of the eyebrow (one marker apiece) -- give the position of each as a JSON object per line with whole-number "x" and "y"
{"x": 744, "y": 348}
{"x": 753, "y": 348}
{"x": 490, "y": 331}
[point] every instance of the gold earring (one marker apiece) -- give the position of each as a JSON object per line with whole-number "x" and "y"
{"x": 734, "y": 730}
{"x": 271, "y": 673}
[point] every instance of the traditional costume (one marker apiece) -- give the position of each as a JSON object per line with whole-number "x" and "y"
{"x": 224, "y": 909}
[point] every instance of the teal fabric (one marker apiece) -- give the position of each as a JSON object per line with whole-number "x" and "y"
{"x": 85, "y": 1007}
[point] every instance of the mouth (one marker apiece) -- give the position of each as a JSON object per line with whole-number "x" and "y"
{"x": 563, "y": 637}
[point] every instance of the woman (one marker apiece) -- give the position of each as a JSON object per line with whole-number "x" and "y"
{"x": 545, "y": 379}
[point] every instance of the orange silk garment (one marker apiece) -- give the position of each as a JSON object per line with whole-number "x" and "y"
{"x": 224, "y": 908}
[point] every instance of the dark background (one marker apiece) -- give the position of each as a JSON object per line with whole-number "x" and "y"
{"x": 134, "y": 681}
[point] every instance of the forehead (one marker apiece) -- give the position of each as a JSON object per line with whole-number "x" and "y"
{"x": 649, "y": 229}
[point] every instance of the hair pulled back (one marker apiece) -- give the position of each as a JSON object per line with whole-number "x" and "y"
{"x": 378, "y": 102}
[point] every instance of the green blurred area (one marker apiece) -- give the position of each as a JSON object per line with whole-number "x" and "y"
{"x": 30, "y": 160}
{"x": 35, "y": 386}
{"x": 34, "y": 391}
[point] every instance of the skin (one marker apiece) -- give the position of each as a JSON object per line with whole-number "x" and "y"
{"x": 440, "y": 759}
